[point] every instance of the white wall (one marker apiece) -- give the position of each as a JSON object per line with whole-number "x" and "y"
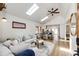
{"x": 9, "y": 32}
{"x": 72, "y": 9}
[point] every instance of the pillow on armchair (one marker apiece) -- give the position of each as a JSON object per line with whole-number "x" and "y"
{"x": 7, "y": 43}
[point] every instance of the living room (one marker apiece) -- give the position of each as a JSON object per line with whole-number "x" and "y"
{"x": 31, "y": 21}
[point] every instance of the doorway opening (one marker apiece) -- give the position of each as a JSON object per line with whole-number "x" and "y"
{"x": 55, "y": 31}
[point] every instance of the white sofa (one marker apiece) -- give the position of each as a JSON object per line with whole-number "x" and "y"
{"x": 4, "y": 51}
{"x": 27, "y": 45}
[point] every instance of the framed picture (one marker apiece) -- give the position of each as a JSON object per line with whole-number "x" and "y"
{"x": 18, "y": 25}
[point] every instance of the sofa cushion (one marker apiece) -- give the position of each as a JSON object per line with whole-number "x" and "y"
{"x": 19, "y": 47}
{"x": 14, "y": 42}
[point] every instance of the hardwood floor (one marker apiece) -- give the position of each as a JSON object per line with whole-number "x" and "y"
{"x": 61, "y": 49}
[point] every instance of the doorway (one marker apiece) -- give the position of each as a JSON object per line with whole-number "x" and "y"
{"x": 55, "y": 30}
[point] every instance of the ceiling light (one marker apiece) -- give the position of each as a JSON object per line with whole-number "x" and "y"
{"x": 32, "y": 9}
{"x": 44, "y": 18}
{"x": 4, "y": 19}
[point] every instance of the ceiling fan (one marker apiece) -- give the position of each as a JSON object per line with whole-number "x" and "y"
{"x": 54, "y": 11}
{"x": 2, "y": 6}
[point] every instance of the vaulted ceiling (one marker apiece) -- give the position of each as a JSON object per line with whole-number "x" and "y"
{"x": 19, "y": 10}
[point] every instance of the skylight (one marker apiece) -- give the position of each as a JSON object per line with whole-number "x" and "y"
{"x": 32, "y": 9}
{"x": 44, "y": 18}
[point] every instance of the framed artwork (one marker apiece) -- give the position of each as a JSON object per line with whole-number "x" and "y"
{"x": 18, "y": 25}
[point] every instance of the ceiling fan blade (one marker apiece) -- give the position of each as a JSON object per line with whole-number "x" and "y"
{"x": 49, "y": 11}
{"x": 55, "y": 9}
{"x": 56, "y": 12}
{"x": 52, "y": 9}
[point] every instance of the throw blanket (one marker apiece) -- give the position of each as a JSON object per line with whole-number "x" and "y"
{"x": 27, "y": 52}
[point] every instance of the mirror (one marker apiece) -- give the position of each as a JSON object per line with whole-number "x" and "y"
{"x": 73, "y": 24}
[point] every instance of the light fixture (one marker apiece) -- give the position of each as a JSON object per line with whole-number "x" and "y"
{"x": 32, "y": 9}
{"x": 44, "y": 18}
{"x": 4, "y": 19}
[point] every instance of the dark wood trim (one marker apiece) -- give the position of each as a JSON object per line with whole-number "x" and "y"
{"x": 23, "y": 25}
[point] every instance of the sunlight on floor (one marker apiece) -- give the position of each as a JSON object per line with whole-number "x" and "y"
{"x": 64, "y": 49}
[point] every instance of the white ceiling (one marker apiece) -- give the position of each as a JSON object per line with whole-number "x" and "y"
{"x": 19, "y": 10}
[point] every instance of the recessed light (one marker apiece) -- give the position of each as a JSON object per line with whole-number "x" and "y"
{"x": 32, "y": 9}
